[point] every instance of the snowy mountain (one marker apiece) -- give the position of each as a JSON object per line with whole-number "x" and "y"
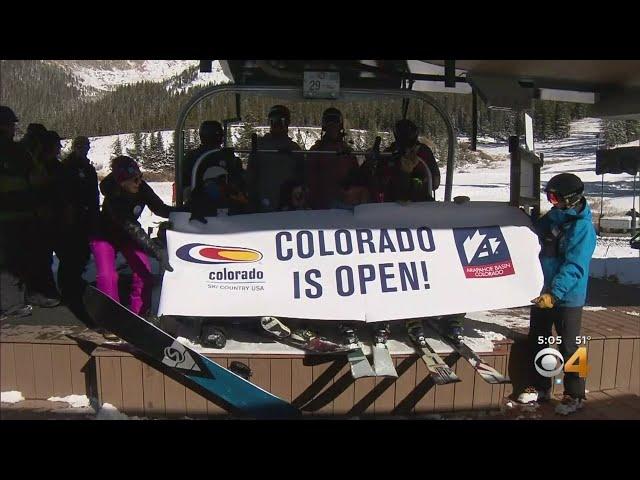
{"x": 106, "y": 75}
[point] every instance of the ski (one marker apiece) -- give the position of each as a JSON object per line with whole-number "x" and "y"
{"x": 487, "y": 372}
{"x": 382, "y": 361}
{"x": 439, "y": 370}
{"x": 360, "y": 366}
{"x": 301, "y": 338}
{"x": 214, "y": 380}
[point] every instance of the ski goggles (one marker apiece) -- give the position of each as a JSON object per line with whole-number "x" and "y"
{"x": 553, "y": 198}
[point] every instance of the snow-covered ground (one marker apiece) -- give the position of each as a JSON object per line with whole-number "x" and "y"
{"x": 575, "y": 154}
{"x": 11, "y": 397}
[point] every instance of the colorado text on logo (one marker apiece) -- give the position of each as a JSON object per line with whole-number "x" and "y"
{"x": 214, "y": 254}
{"x": 483, "y": 252}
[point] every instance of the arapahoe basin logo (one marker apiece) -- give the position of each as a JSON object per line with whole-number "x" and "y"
{"x": 214, "y": 254}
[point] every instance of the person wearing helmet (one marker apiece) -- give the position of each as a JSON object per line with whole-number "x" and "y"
{"x": 211, "y": 136}
{"x": 267, "y": 172}
{"x": 16, "y": 213}
{"x": 568, "y": 241}
{"x": 217, "y": 160}
{"x": 411, "y": 173}
{"x": 328, "y": 172}
{"x": 125, "y": 197}
{"x": 215, "y": 194}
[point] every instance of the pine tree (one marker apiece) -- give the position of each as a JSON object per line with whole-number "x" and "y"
{"x": 549, "y": 113}
{"x": 116, "y": 150}
{"x": 138, "y": 146}
{"x": 246, "y": 131}
{"x": 632, "y": 130}
{"x": 614, "y": 132}
{"x": 562, "y": 121}
{"x": 171, "y": 152}
{"x": 538, "y": 120}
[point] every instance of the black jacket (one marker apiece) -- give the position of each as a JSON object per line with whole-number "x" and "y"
{"x": 82, "y": 196}
{"x": 120, "y": 212}
{"x": 17, "y": 197}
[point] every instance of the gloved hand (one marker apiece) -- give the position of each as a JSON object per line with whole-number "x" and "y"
{"x": 546, "y": 300}
{"x": 409, "y": 160}
{"x": 164, "y": 261}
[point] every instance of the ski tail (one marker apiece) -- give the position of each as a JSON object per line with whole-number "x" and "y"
{"x": 486, "y": 371}
{"x": 440, "y": 372}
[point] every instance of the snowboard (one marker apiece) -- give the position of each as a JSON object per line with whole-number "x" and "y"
{"x": 214, "y": 380}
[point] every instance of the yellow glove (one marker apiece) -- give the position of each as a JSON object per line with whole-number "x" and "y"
{"x": 545, "y": 300}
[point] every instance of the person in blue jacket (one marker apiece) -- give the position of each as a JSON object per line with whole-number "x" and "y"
{"x": 568, "y": 240}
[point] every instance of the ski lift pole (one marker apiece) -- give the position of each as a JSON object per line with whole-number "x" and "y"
{"x": 634, "y": 212}
{"x": 601, "y": 203}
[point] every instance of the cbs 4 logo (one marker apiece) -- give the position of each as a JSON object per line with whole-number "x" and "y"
{"x": 549, "y": 362}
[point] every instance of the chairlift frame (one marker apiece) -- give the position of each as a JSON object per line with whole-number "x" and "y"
{"x": 295, "y": 93}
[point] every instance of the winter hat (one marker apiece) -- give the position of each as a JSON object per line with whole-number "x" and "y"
{"x": 80, "y": 141}
{"x": 7, "y": 115}
{"x": 124, "y": 168}
{"x": 213, "y": 172}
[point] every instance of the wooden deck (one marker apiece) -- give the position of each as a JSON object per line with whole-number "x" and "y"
{"x": 40, "y": 361}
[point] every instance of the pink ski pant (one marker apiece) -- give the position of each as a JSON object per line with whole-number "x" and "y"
{"x": 104, "y": 253}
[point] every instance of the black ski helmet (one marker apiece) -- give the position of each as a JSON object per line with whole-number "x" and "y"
{"x": 405, "y": 132}
{"x": 210, "y": 130}
{"x": 567, "y": 187}
{"x": 332, "y": 115}
{"x": 279, "y": 112}
{"x": 7, "y": 115}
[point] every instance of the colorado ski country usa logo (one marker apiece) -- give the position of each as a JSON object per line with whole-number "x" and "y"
{"x": 215, "y": 254}
{"x": 483, "y": 252}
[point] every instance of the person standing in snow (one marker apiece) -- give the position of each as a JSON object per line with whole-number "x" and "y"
{"x": 568, "y": 241}
{"x": 125, "y": 197}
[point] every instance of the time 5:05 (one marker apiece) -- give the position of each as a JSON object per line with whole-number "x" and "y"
{"x": 580, "y": 340}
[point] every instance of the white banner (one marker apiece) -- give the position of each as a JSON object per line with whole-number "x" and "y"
{"x": 379, "y": 262}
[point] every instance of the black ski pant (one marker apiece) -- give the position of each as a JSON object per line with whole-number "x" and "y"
{"x": 42, "y": 243}
{"x": 13, "y": 270}
{"x": 567, "y": 322}
{"x": 72, "y": 249}
{"x": 73, "y": 254}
